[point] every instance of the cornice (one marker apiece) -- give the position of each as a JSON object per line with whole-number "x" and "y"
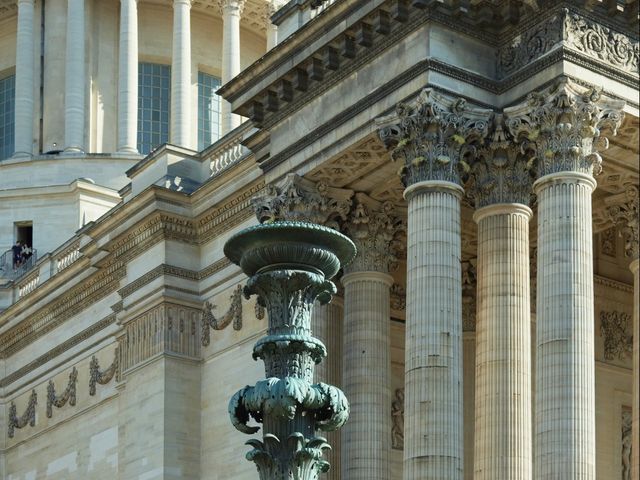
{"x": 615, "y": 284}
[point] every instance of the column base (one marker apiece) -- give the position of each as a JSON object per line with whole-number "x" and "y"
{"x": 22, "y": 155}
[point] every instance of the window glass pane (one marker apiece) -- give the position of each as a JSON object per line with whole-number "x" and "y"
{"x": 153, "y": 106}
{"x": 208, "y": 110}
{"x": 7, "y": 115}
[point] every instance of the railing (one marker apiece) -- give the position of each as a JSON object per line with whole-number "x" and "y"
{"x": 7, "y": 269}
{"x": 29, "y": 283}
{"x": 228, "y": 150}
{"x": 67, "y": 257}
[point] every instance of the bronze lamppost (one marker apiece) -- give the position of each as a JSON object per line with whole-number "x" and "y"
{"x": 289, "y": 265}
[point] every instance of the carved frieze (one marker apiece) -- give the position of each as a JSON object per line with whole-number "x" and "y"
{"x": 375, "y": 228}
{"x": 397, "y": 420}
{"x": 565, "y": 126}
{"x": 434, "y": 136}
{"x": 27, "y": 418}
{"x": 299, "y": 199}
{"x": 615, "y": 328}
{"x": 234, "y": 314}
{"x": 623, "y": 211}
{"x": 102, "y": 377}
{"x": 573, "y": 31}
{"x": 502, "y": 172}
{"x": 67, "y": 396}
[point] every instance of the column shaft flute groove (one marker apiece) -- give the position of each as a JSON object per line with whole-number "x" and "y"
{"x": 23, "y": 138}
{"x": 366, "y": 438}
{"x": 181, "y": 75}
{"x": 128, "y": 78}
{"x": 565, "y": 430}
{"x": 433, "y": 442}
{"x": 503, "y": 346}
{"x": 635, "y": 410}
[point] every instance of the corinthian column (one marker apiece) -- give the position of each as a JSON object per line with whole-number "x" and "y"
{"x": 501, "y": 187}
{"x": 565, "y": 126}
{"x": 366, "y": 438}
{"x": 74, "y": 78}
{"x": 429, "y": 137}
{"x": 181, "y": 75}
{"x": 624, "y": 212}
{"x": 24, "y": 80}
{"x": 128, "y": 78}
{"x": 231, "y": 11}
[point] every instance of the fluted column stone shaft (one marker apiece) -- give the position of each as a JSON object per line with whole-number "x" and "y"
{"x": 327, "y": 326}
{"x": 503, "y": 347}
{"x": 181, "y": 133}
{"x": 366, "y": 438}
{"x": 635, "y": 411}
{"x": 128, "y": 78}
{"x": 565, "y": 386}
{"x": 75, "y": 78}
{"x": 564, "y": 125}
{"x": 23, "y": 132}
{"x": 430, "y": 135}
{"x": 231, "y": 12}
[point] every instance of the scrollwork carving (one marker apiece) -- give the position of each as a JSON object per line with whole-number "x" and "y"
{"x": 209, "y": 321}
{"x": 27, "y": 418}
{"x": 615, "y": 328}
{"x": 397, "y": 420}
{"x": 432, "y": 136}
{"x": 69, "y": 394}
{"x": 96, "y": 376}
{"x": 565, "y": 127}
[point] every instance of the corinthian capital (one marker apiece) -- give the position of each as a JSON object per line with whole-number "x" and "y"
{"x": 432, "y": 135}
{"x": 623, "y": 211}
{"x": 502, "y": 171}
{"x": 373, "y": 226}
{"x": 231, "y": 6}
{"x": 567, "y": 126}
{"x": 297, "y": 198}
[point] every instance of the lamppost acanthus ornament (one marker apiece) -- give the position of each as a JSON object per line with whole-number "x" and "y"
{"x": 289, "y": 265}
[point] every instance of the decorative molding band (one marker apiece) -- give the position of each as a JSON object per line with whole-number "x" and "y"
{"x": 73, "y": 301}
{"x": 27, "y": 418}
{"x": 209, "y": 321}
{"x": 61, "y": 348}
{"x": 151, "y": 275}
{"x": 69, "y": 394}
{"x": 102, "y": 377}
{"x": 608, "y": 282}
{"x": 214, "y": 268}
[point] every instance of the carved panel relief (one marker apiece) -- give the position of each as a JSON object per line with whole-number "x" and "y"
{"x": 615, "y": 328}
{"x": 27, "y": 418}
{"x": 469, "y": 295}
{"x": 626, "y": 443}
{"x": 397, "y": 420}
{"x": 102, "y": 377}
{"x": 67, "y": 396}
{"x": 608, "y": 242}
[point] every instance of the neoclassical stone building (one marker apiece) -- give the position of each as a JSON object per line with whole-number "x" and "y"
{"x": 482, "y": 156}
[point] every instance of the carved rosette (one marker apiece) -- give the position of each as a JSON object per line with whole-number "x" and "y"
{"x": 624, "y": 213}
{"x": 289, "y": 264}
{"x": 502, "y": 171}
{"x": 374, "y": 226}
{"x": 301, "y": 200}
{"x": 566, "y": 127}
{"x": 434, "y": 137}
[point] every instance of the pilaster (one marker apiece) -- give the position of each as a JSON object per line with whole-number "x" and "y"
{"x": 432, "y": 137}
{"x": 564, "y": 125}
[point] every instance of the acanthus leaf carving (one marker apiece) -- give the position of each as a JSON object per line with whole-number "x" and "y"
{"x": 67, "y": 396}
{"x": 433, "y": 136}
{"x": 102, "y": 377}
{"x": 565, "y": 126}
{"x": 299, "y": 199}
{"x": 27, "y": 418}
{"x": 615, "y": 328}
{"x": 209, "y": 321}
